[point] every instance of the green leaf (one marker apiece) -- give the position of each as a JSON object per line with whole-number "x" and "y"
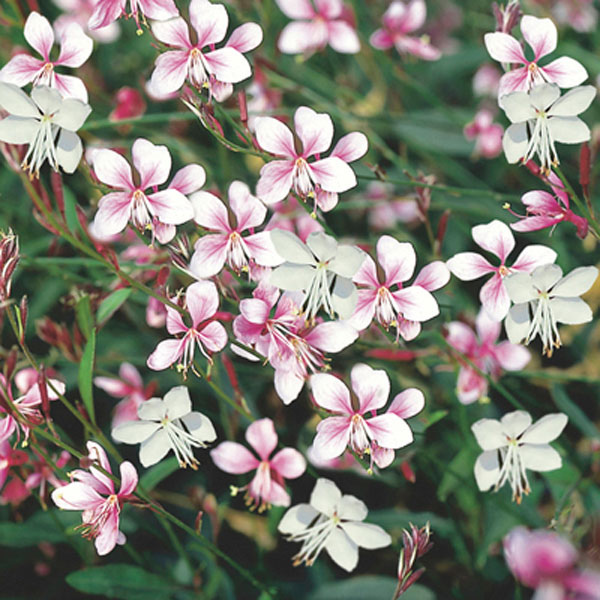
{"x": 111, "y": 304}
{"x": 576, "y": 416}
{"x": 50, "y": 526}
{"x": 369, "y": 586}
{"x": 70, "y": 210}
{"x": 86, "y": 369}
{"x": 156, "y": 474}
{"x": 121, "y": 581}
{"x": 83, "y": 313}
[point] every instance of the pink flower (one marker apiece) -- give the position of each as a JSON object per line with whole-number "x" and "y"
{"x": 75, "y": 49}
{"x": 202, "y": 301}
{"x": 80, "y": 11}
{"x": 267, "y": 486}
{"x": 350, "y": 426}
{"x": 548, "y": 562}
{"x": 44, "y": 473}
{"x": 227, "y": 244}
{"x": 486, "y": 133}
{"x": 541, "y": 35}
{"x": 9, "y": 457}
{"x": 388, "y": 209}
{"x": 129, "y": 103}
{"x": 482, "y": 350}
{"x": 211, "y": 68}
{"x": 261, "y": 98}
{"x": 390, "y": 302}
{"x": 581, "y": 15}
{"x": 130, "y": 388}
{"x": 94, "y": 493}
{"x": 322, "y": 179}
{"x": 131, "y": 202}
{"x": 316, "y": 27}
{"x": 497, "y": 238}
{"x": 486, "y": 80}
{"x": 399, "y": 20}
{"x": 545, "y": 210}
{"x": 108, "y": 11}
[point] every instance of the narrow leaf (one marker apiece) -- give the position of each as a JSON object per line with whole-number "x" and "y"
{"x": 86, "y": 369}
{"x": 111, "y": 304}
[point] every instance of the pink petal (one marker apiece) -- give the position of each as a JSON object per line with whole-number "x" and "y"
{"x": 414, "y": 16}
{"x": 173, "y": 32}
{"x": 21, "y": 69}
{"x": 566, "y": 72}
{"x": 171, "y": 207}
{"x": 540, "y": 34}
{"x": 209, "y": 255}
{"x": 331, "y": 394}
{"x": 351, "y": 147}
{"x": 105, "y": 13}
{"x": 210, "y": 22}
{"x": 398, "y": 259}
{"x": 470, "y": 386}
{"x": 107, "y": 539}
{"x": 113, "y": 387}
{"x": 296, "y": 9}
{"x": 262, "y": 437}
{"x": 153, "y": 163}
{"x": 170, "y": 72}
{"x": 202, "y": 301}
{"x": 315, "y": 131}
{"x": 214, "y": 337}
{"x": 495, "y": 237}
{"x": 76, "y": 496}
{"x": 365, "y": 309}
{"x": 113, "y": 170}
{"x": 333, "y": 174}
{"x": 371, "y": 386}
{"x": 329, "y": 9}
{"x": 228, "y": 65}
{"x": 175, "y": 322}
{"x": 289, "y": 463}
{"x": 469, "y": 265}
{"x": 408, "y": 403}
{"x": 71, "y": 87}
{"x": 288, "y": 384}
{"x": 534, "y": 223}
{"x": 416, "y": 303}
{"x": 274, "y": 137}
{"x": 75, "y": 47}
{"x": 516, "y": 80}
{"x": 129, "y": 479}
{"x": 367, "y": 273}
{"x": 494, "y": 298}
{"x": 261, "y": 249}
{"x": 541, "y": 201}
{"x": 233, "y": 458}
{"x": 504, "y": 48}
{"x": 113, "y": 214}
{"x": 249, "y": 210}
{"x": 433, "y": 276}
{"x": 417, "y": 47}
{"x": 160, "y": 10}
{"x": 255, "y": 310}
{"x": 381, "y": 39}
{"x": 534, "y": 256}
{"x": 301, "y": 36}
{"x": 166, "y": 353}
{"x": 275, "y": 180}
{"x": 461, "y": 338}
{"x": 210, "y": 212}
{"x": 128, "y": 373}
{"x": 512, "y": 357}
{"x": 488, "y": 329}
{"x": 343, "y": 37}
{"x": 390, "y": 431}
{"x": 189, "y": 179}
{"x": 98, "y": 455}
{"x": 332, "y": 437}
{"x": 246, "y": 37}
{"x": 39, "y": 35}
{"x": 333, "y": 336}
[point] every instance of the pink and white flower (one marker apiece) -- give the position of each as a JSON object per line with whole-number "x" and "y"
{"x": 267, "y": 486}
{"x": 321, "y": 180}
{"x": 200, "y": 63}
{"x": 225, "y": 244}
{"x": 390, "y": 302}
{"x": 332, "y": 522}
{"x": 387, "y": 208}
{"x": 546, "y": 561}
{"x": 541, "y": 35}
{"x": 314, "y": 27}
{"x": 513, "y": 445}
{"x": 75, "y": 49}
{"x": 547, "y": 210}
{"x": 94, "y": 493}
{"x": 166, "y": 424}
{"x": 108, "y": 11}
{"x": 486, "y": 80}
{"x": 80, "y": 11}
{"x": 131, "y": 202}
{"x": 130, "y": 387}
{"x": 351, "y": 426}
{"x": 202, "y": 302}
{"x": 486, "y": 133}
{"x": 580, "y": 15}
{"x": 497, "y": 238}
{"x": 480, "y": 348}
{"x": 400, "y": 20}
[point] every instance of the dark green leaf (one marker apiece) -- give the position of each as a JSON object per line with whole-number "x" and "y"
{"x": 86, "y": 369}
{"x": 156, "y": 474}
{"x": 577, "y": 417}
{"x": 369, "y": 586}
{"x": 83, "y": 313}
{"x": 112, "y": 303}
{"x": 49, "y": 526}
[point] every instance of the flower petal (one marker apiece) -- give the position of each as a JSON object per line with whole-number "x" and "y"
{"x": 39, "y": 35}
{"x": 289, "y": 463}
{"x": 177, "y": 402}
{"x": 173, "y": 32}
{"x": 540, "y": 34}
{"x": 69, "y": 151}
{"x": 129, "y": 479}
{"x": 291, "y": 248}
{"x": 171, "y": 206}
{"x": 468, "y": 266}
{"x": 330, "y": 393}
{"x": 494, "y": 298}
{"x": 113, "y": 170}
{"x": 576, "y": 283}
{"x": 571, "y": 311}
{"x": 262, "y": 437}
{"x": 233, "y": 458}
{"x": 315, "y": 131}
{"x": 540, "y": 458}
{"x": 249, "y": 210}
{"x": 189, "y": 179}
{"x": 504, "y": 48}
{"x": 152, "y": 162}
{"x": 155, "y": 448}
{"x": 371, "y": 386}
{"x": 274, "y": 137}
{"x": 134, "y": 432}
{"x": 366, "y": 535}
{"x": 487, "y": 470}
{"x": 209, "y": 256}
{"x": 228, "y": 65}
{"x": 568, "y": 130}
{"x": 325, "y": 496}
{"x": 165, "y": 354}
{"x": 489, "y": 433}
{"x": 343, "y": 37}
{"x": 210, "y": 22}
{"x": 246, "y": 37}
{"x": 170, "y": 73}
{"x": 545, "y": 430}
{"x": 202, "y": 300}
{"x": 16, "y": 102}
{"x": 495, "y": 237}
{"x": 21, "y": 69}
{"x": 407, "y": 403}
{"x": 566, "y": 72}
{"x": 75, "y": 46}
{"x": 515, "y": 423}
{"x": 333, "y": 174}
{"x": 342, "y": 550}
{"x": 514, "y": 142}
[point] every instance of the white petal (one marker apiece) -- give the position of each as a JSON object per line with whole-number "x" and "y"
{"x": 72, "y": 114}
{"x": 517, "y": 107}
{"x": 48, "y": 100}
{"x": 291, "y": 248}
{"x": 297, "y": 519}
{"x": 347, "y": 261}
{"x": 366, "y": 535}
{"x": 323, "y": 246}
{"x": 517, "y": 323}
{"x": 487, "y": 470}
{"x": 515, "y": 423}
{"x": 200, "y": 427}
{"x": 544, "y": 95}
{"x": 134, "y": 432}
{"x": 325, "y": 496}
{"x": 16, "y": 102}
{"x": 514, "y": 142}
{"x": 342, "y": 550}
{"x": 351, "y": 508}
{"x": 574, "y": 102}
{"x": 520, "y": 287}
{"x": 546, "y": 429}
{"x": 155, "y": 448}
{"x": 489, "y": 434}
{"x": 69, "y": 151}
{"x": 576, "y": 283}
{"x": 568, "y": 130}
{"x": 177, "y": 402}
{"x": 292, "y": 277}
{"x": 540, "y": 458}
{"x": 344, "y": 297}
{"x": 152, "y": 410}
{"x": 546, "y": 276}
{"x": 571, "y": 311}
{"x": 18, "y": 130}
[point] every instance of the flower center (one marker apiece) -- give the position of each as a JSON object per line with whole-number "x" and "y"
{"x": 140, "y": 211}
{"x": 196, "y": 70}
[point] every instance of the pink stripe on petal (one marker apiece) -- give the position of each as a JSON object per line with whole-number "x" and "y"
{"x": 494, "y": 298}
{"x": 113, "y": 214}
{"x": 495, "y": 237}
{"x": 331, "y": 394}
{"x": 202, "y": 300}
{"x": 381, "y": 39}
{"x": 534, "y": 223}
{"x": 262, "y": 437}
{"x": 21, "y": 69}
{"x": 171, "y": 207}
{"x": 332, "y": 437}
{"x": 516, "y": 80}
{"x": 504, "y": 48}
{"x": 210, "y": 212}
{"x": 315, "y": 131}
{"x": 566, "y": 72}
{"x": 461, "y": 338}
{"x": 214, "y": 337}
{"x": 173, "y": 32}
{"x": 129, "y": 479}
{"x": 367, "y": 273}
{"x": 228, "y": 65}
{"x": 433, "y": 276}
{"x": 398, "y": 259}
{"x": 189, "y": 179}
{"x": 233, "y": 458}
{"x": 469, "y": 265}
{"x": 416, "y": 303}
{"x": 209, "y": 256}
{"x": 39, "y": 35}
{"x": 210, "y": 22}
{"x": 540, "y": 34}
{"x": 170, "y": 72}
{"x": 105, "y": 13}
{"x": 408, "y": 403}
{"x": 534, "y": 256}
{"x": 246, "y": 37}
{"x": 275, "y": 137}
{"x": 333, "y": 174}
{"x": 371, "y": 386}
{"x": 390, "y": 431}
{"x": 249, "y": 210}
{"x": 71, "y": 87}
{"x": 75, "y": 47}
{"x": 351, "y": 147}
{"x": 152, "y": 162}
{"x": 107, "y": 539}
{"x": 166, "y": 353}
{"x": 113, "y": 170}
{"x": 275, "y": 181}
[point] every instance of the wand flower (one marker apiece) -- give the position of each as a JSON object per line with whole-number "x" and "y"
{"x": 108, "y": 11}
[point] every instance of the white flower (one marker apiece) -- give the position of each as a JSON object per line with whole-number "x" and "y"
{"x": 513, "y": 445}
{"x": 47, "y": 123}
{"x": 333, "y": 522}
{"x": 313, "y": 267}
{"x": 542, "y": 299}
{"x": 540, "y": 118}
{"x": 165, "y": 425}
